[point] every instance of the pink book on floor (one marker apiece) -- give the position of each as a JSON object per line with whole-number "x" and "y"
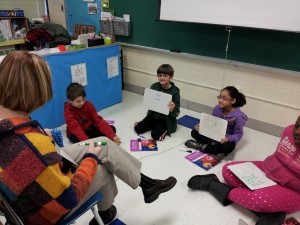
{"x": 139, "y": 144}
{"x": 203, "y": 160}
{"x": 110, "y": 122}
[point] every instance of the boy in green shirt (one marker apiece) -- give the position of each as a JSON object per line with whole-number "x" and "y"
{"x": 160, "y": 124}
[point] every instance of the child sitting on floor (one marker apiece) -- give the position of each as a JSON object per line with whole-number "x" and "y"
{"x": 82, "y": 119}
{"x": 270, "y": 204}
{"x": 230, "y": 100}
{"x": 159, "y": 124}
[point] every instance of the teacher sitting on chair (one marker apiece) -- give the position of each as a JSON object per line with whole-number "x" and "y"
{"x": 31, "y": 174}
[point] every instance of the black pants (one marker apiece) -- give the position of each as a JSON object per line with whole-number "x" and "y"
{"x": 91, "y": 132}
{"x": 215, "y": 148}
{"x": 158, "y": 127}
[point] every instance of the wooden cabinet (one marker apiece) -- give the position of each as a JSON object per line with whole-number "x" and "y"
{"x": 17, "y": 23}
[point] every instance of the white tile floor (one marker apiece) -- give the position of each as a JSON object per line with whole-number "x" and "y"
{"x": 180, "y": 206}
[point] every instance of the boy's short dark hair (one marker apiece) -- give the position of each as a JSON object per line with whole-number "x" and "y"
{"x": 166, "y": 69}
{"x": 75, "y": 90}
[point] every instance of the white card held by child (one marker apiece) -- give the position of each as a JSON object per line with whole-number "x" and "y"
{"x": 212, "y": 127}
{"x": 251, "y": 175}
{"x": 157, "y": 101}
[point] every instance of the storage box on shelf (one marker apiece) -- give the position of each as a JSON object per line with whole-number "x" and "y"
{"x": 12, "y": 13}
{"x": 16, "y": 23}
{"x": 116, "y": 27}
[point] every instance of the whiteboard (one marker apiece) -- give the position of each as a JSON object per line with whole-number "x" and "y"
{"x": 266, "y": 14}
{"x": 157, "y": 101}
{"x": 212, "y": 127}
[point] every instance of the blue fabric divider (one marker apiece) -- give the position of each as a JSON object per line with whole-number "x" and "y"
{"x": 188, "y": 121}
{"x": 100, "y": 90}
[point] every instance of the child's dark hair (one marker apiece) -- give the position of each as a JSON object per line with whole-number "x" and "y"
{"x": 240, "y": 99}
{"x": 166, "y": 69}
{"x": 75, "y": 90}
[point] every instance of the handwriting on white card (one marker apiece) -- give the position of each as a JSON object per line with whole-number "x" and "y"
{"x": 251, "y": 175}
{"x": 157, "y": 101}
{"x": 78, "y": 73}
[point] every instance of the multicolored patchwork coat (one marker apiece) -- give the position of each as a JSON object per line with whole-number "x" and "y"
{"x": 31, "y": 176}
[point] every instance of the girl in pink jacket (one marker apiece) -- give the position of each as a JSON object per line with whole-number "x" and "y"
{"x": 270, "y": 203}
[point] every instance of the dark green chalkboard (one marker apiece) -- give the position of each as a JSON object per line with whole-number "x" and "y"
{"x": 256, "y": 46}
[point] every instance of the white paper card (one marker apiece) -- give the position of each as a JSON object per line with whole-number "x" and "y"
{"x": 251, "y": 175}
{"x": 157, "y": 101}
{"x": 212, "y": 127}
{"x": 112, "y": 67}
{"x": 67, "y": 157}
{"x": 242, "y": 222}
{"x": 78, "y": 72}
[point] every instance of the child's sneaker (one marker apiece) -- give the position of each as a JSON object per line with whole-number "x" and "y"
{"x": 193, "y": 144}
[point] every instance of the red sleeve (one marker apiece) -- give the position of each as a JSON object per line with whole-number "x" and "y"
{"x": 100, "y": 123}
{"x": 74, "y": 126}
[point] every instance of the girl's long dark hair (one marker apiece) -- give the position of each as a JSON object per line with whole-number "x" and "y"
{"x": 240, "y": 99}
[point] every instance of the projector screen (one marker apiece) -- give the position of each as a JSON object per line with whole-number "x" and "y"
{"x": 283, "y": 15}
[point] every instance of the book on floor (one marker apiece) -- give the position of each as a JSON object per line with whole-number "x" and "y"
{"x": 144, "y": 144}
{"x": 291, "y": 221}
{"x": 203, "y": 160}
{"x": 110, "y": 122}
{"x": 251, "y": 175}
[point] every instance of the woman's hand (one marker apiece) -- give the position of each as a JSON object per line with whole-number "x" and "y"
{"x": 171, "y": 106}
{"x": 94, "y": 149}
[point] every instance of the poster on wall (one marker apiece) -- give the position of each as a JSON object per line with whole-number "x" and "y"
{"x": 92, "y": 8}
{"x": 78, "y": 73}
{"x": 112, "y": 66}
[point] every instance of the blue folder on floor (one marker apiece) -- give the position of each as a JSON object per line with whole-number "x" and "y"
{"x": 117, "y": 222}
{"x": 188, "y": 121}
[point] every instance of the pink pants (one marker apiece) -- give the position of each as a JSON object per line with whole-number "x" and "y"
{"x": 270, "y": 199}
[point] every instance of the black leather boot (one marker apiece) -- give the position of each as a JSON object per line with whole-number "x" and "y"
{"x": 161, "y": 186}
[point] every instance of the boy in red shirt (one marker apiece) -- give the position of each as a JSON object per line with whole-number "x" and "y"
{"x": 82, "y": 120}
